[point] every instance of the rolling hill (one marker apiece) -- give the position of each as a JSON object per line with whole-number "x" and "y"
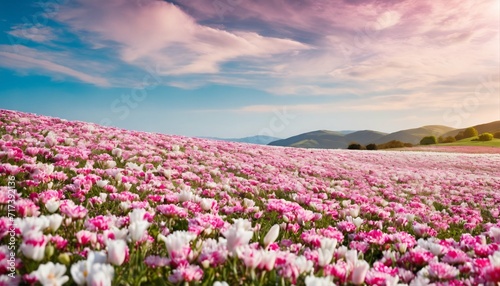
{"x": 491, "y": 127}
{"x": 414, "y": 135}
{"x": 365, "y": 136}
{"x": 322, "y": 139}
{"x": 325, "y": 139}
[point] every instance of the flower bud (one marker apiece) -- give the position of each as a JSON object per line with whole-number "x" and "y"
{"x": 64, "y": 258}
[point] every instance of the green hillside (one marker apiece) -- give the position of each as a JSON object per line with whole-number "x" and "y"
{"x": 469, "y": 142}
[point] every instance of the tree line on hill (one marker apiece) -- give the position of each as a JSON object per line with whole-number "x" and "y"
{"x": 429, "y": 140}
{"x": 467, "y": 133}
{"x": 373, "y": 146}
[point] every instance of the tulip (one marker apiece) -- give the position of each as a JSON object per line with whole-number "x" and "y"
{"x": 324, "y": 256}
{"x": 359, "y": 272}
{"x": 271, "y": 235}
{"x": 117, "y": 251}
{"x": 55, "y": 221}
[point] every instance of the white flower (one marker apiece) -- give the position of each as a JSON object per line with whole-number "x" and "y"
{"x": 80, "y": 271}
{"x": 117, "y": 251}
{"x": 351, "y": 257}
{"x": 324, "y": 256}
{"x": 177, "y": 241}
{"x": 238, "y": 234}
{"x": 55, "y": 221}
{"x": 117, "y": 152}
{"x": 184, "y": 195}
{"x": 207, "y": 204}
{"x": 248, "y": 203}
{"x": 271, "y": 235}
{"x": 138, "y": 225}
{"x": 359, "y": 272}
{"x": 52, "y": 205}
{"x": 357, "y": 222}
{"x": 495, "y": 259}
{"x": 495, "y": 234}
{"x": 303, "y": 264}
{"x": 119, "y": 233}
{"x": 110, "y": 164}
{"x": 318, "y": 281}
{"x": 125, "y": 205}
{"x": 268, "y": 260}
{"x": 137, "y": 230}
{"x": 50, "y": 274}
{"x": 354, "y": 211}
{"x": 103, "y": 196}
{"x": 102, "y": 183}
{"x": 329, "y": 243}
{"x": 30, "y": 223}
{"x": 100, "y": 275}
{"x": 223, "y": 283}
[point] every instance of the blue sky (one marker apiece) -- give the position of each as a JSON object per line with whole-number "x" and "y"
{"x": 240, "y": 68}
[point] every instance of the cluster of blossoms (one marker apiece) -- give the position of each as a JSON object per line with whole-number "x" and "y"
{"x": 100, "y": 206}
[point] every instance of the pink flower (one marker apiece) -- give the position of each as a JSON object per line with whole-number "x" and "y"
{"x": 186, "y": 273}
{"x": 172, "y": 210}
{"x": 455, "y": 256}
{"x": 98, "y": 223}
{"x": 442, "y": 271}
{"x": 84, "y": 237}
{"x": 33, "y": 245}
{"x": 73, "y": 211}
{"x": 26, "y": 207}
{"x": 156, "y": 261}
{"x": 492, "y": 271}
{"x": 59, "y": 242}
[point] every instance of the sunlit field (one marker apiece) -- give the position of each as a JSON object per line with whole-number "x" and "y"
{"x": 89, "y": 205}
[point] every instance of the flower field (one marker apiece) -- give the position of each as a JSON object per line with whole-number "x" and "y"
{"x": 83, "y": 204}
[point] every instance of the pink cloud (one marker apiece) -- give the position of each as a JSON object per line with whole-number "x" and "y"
{"x": 161, "y": 33}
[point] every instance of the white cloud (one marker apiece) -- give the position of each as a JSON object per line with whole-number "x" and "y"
{"x": 34, "y": 33}
{"x": 30, "y": 59}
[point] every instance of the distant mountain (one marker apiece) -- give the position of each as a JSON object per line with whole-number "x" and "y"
{"x": 325, "y": 139}
{"x": 257, "y": 139}
{"x": 491, "y": 127}
{"x": 414, "y": 135}
{"x": 345, "y": 132}
{"x": 365, "y": 136}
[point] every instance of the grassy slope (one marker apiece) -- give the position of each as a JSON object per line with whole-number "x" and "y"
{"x": 469, "y": 142}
